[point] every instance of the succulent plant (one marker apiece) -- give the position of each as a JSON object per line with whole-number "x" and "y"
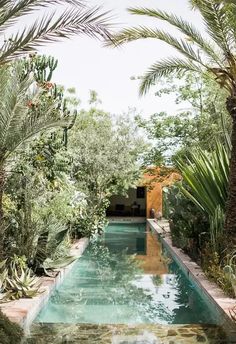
{"x": 17, "y": 280}
{"x": 230, "y": 271}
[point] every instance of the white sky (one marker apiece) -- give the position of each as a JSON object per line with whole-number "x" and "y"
{"x": 85, "y": 64}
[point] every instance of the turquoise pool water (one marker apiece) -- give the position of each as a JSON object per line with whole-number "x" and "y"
{"x": 123, "y": 277}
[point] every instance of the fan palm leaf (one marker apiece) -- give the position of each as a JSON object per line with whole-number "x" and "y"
{"x": 207, "y": 175}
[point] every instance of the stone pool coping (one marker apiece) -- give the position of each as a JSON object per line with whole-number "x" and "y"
{"x": 126, "y": 219}
{"x": 24, "y": 311}
{"x": 217, "y": 297}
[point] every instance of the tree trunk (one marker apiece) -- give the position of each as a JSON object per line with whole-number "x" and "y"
{"x": 230, "y": 222}
{"x": 2, "y": 183}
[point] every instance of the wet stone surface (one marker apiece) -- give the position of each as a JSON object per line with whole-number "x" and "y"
{"x": 126, "y": 334}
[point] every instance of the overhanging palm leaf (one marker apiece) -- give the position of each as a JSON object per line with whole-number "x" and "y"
{"x": 163, "y": 69}
{"x": 185, "y": 27}
{"x": 182, "y": 46}
{"x": 206, "y": 54}
{"x": 11, "y": 11}
{"x": 76, "y": 19}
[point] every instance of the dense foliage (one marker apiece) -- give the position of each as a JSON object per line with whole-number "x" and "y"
{"x": 198, "y": 125}
{"x": 104, "y": 163}
{"x": 10, "y": 333}
{"x": 57, "y": 186}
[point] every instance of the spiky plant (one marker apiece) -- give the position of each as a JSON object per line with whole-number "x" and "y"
{"x": 75, "y": 19}
{"x": 206, "y": 175}
{"x": 213, "y": 53}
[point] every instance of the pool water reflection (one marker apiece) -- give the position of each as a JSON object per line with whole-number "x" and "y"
{"x": 124, "y": 278}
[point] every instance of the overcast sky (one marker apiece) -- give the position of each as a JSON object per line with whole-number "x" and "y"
{"x": 85, "y": 64}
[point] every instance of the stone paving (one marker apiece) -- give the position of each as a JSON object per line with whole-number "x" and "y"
{"x": 126, "y": 334}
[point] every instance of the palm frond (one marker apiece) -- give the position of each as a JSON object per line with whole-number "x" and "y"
{"x": 165, "y": 68}
{"x": 136, "y": 33}
{"x": 17, "y": 121}
{"x": 11, "y": 11}
{"x": 184, "y": 27}
{"x": 12, "y": 101}
{"x": 3, "y": 4}
{"x": 50, "y": 29}
{"x": 216, "y": 22}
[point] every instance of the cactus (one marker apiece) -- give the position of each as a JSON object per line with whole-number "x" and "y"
{"x": 42, "y": 67}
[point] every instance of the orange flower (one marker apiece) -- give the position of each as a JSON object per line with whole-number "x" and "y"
{"x": 30, "y": 104}
{"x": 48, "y": 85}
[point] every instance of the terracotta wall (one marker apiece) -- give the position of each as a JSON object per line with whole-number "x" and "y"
{"x": 153, "y": 262}
{"x": 154, "y": 199}
{"x": 154, "y": 183}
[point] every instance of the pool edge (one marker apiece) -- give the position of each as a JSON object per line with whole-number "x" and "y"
{"x": 24, "y": 311}
{"x": 210, "y": 290}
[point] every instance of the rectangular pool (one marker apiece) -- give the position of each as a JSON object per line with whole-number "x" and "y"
{"x": 125, "y": 278}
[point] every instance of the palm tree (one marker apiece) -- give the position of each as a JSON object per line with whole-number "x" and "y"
{"x": 24, "y": 112}
{"x": 17, "y": 122}
{"x": 214, "y": 53}
{"x": 75, "y": 19}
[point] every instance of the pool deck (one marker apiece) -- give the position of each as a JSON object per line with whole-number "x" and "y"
{"x": 126, "y": 334}
{"x": 24, "y": 311}
{"x": 219, "y": 300}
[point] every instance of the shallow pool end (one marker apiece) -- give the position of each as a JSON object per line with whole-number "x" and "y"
{"x": 24, "y": 311}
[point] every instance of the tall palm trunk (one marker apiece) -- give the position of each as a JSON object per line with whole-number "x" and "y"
{"x": 2, "y": 183}
{"x": 230, "y": 222}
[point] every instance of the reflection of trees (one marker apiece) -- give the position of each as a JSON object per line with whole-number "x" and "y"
{"x": 105, "y": 277}
{"x": 121, "y": 271}
{"x": 157, "y": 280}
{"x": 192, "y": 307}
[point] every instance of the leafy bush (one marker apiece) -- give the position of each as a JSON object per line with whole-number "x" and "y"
{"x": 10, "y": 333}
{"x": 188, "y": 224}
{"x": 213, "y": 266}
{"x": 190, "y": 231}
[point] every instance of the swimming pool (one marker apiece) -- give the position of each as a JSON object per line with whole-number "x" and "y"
{"x": 125, "y": 278}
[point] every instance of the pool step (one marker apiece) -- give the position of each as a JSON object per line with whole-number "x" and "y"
{"x": 126, "y": 334}
{"x": 91, "y": 313}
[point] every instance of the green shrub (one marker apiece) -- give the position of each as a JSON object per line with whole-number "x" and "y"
{"x": 213, "y": 266}
{"x": 10, "y": 333}
{"x": 188, "y": 225}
